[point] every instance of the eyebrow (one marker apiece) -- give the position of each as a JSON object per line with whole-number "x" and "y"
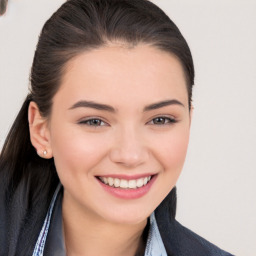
{"x": 162, "y": 104}
{"x": 91, "y": 104}
{"x": 99, "y": 106}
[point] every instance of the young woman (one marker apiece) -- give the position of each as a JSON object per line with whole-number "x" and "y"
{"x": 91, "y": 162}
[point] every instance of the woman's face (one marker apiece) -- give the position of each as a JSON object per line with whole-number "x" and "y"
{"x": 120, "y": 117}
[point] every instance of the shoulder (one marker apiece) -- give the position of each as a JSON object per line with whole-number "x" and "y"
{"x": 189, "y": 243}
{"x": 14, "y": 214}
{"x": 180, "y": 241}
{"x": 22, "y": 213}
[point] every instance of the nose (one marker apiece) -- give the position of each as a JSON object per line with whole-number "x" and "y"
{"x": 129, "y": 149}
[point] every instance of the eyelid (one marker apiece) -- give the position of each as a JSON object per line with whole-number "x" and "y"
{"x": 171, "y": 119}
{"x": 83, "y": 121}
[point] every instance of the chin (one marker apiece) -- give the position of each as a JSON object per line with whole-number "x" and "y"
{"x": 128, "y": 216}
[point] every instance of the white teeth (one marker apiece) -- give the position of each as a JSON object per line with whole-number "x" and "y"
{"x": 110, "y": 181}
{"x": 117, "y": 183}
{"x": 122, "y": 183}
{"x": 132, "y": 184}
{"x": 140, "y": 182}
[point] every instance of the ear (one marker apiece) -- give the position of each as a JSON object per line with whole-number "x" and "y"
{"x": 39, "y": 131}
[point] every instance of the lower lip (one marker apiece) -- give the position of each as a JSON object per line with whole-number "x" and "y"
{"x": 126, "y": 193}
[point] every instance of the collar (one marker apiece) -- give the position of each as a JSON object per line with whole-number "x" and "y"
{"x": 155, "y": 246}
{"x": 51, "y": 236}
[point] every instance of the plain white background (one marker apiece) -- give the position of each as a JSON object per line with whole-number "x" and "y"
{"x": 216, "y": 191}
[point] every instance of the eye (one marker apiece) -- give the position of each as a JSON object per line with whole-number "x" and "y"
{"x": 96, "y": 122}
{"x": 162, "y": 120}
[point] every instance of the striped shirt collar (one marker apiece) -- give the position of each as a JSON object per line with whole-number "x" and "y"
{"x": 51, "y": 235}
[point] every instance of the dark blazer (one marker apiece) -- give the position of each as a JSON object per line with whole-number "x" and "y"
{"x": 180, "y": 241}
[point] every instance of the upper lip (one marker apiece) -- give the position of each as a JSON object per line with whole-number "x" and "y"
{"x": 127, "y": 177}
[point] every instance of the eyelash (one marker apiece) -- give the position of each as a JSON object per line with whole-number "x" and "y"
{"x": 89, "y": 122}
{"x": 165, "y": 120}
{"x": 98, "y": 122}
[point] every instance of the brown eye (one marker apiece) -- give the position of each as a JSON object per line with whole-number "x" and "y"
{"x": 161, "y": 120}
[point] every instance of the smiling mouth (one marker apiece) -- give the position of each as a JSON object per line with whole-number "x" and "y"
{"x": 125, "y": 184}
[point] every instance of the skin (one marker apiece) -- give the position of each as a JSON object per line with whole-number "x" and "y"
{"x": 127, "y": 141}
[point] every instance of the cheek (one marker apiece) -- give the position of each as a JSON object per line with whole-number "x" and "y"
{"x": 173, "y": 152}
{"x": 76, "y": 152}
{"x": 170, "y": 154}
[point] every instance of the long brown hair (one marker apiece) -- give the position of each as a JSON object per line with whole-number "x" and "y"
{"x": 77, "y": 26}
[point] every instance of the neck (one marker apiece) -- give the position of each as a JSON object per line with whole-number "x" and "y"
{"x": 88, "y": 234}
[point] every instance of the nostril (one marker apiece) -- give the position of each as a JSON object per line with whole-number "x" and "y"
{"x": 129, "y": 148}
{"x": 129, "y": 158}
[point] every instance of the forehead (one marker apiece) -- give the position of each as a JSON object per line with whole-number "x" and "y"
{"x": 121, "y": 72}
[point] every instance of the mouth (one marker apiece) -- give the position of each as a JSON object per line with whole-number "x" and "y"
{"x": 124, "y": 183}
{"x": 127, "y": 187}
